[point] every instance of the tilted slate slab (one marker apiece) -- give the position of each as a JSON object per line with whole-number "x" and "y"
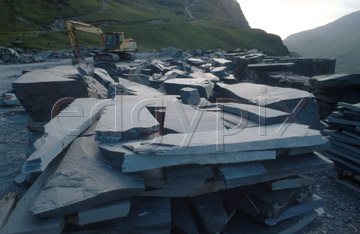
{"x": 288, "y": 100}
{"x": 22, "y": 221}
{"x": 119, "y": 122}
{"x": 83, "y": 179}
{"x": 139, "y": 89}
{"x": 256, "y": 172}
{"x": 261, "y": 115}
{"x": 249, "y": 139}
{"x": 181, "y": 118}
{"x": 61, "y": 131}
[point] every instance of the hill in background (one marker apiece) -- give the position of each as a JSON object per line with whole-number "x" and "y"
{"x": 339, "y": 39}
{"x": 154, "y": 24}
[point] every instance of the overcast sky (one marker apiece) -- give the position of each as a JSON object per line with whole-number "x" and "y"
{"x": 285, "y": 17}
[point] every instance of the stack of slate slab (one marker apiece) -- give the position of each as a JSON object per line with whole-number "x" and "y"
{"x": 153, "y": 164}
{"x": 344, "y": 135}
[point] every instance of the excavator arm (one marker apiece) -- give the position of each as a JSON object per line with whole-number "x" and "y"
{"x": 74, "y": 26}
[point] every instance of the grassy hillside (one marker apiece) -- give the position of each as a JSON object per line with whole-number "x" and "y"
{"x": 153, "y": 24}
{"x": 339, "y": 39}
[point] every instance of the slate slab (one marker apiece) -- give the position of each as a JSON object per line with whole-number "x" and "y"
{"x": 22, "y": 221}
{"x": 302, "y": 104}
{"x": 242, "y": 223}
{"x": 60, "y": 132}
{"x": 181, "y": 218}
{"x": 256, "y": 172}
{"x": 210, "y": 211}
{"x": 181, "y": 118}
{"x": 120, "y": 122}
{"x": 83, "y": 179}
{"x": 106, "y": 212}
{"x": 174, "y": 86}
{"x": 249, "y": 139}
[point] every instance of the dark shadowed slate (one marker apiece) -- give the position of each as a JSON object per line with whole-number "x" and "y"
{"x": 118, "y": 122}
{"x": 182, "y": 220}
{"x": 22, "y": 221}
{"x": 283, "y": 99}
{"x": 105, "y": 212}
{"x": 210, "y": 211}
{"x": 242, "y": 223}
{"x": 256, "y": 172}
{"x": 188, "y": 174}
{"x": 83, "y": 179}
{"x": 187, "y": 190}
{"x": 313, "y": 203}
{"x": 286, "y": 183}
{"x": 60, "y": 132}
{"x": 147, "y": 215}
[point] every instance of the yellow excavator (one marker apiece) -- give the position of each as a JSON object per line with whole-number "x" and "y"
{"x": 114, "y": 45}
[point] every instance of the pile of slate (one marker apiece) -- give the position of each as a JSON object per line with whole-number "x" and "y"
{"x": 155, "y": 163}
{"x": 185, "y": 142}
{"x": 344, "y": 135}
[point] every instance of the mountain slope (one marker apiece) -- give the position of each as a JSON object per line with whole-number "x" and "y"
{"x": 154, "y": 24}
{"x": 339, "y": 39}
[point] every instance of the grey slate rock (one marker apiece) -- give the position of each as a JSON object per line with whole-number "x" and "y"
{"x": 11, "y": 100}
{"x": 60, "y": 132}
{"x": 181, "y": 217}
{"x": 39, "y": 90}
{"x": 103, "y": 77}
{"x": 22, "y": 221}
{"x": 174, "y": 86}
{"x": 142, "y": 162}
{"x": 242, "y": 223}
{"x": 117, "y": 122}
{"x": 210, "y": 211}
{"x": 195, "y": 61}
{"x": 83, "y": 179}
{"x": 220, "y": 72}
{"x": 190, "y": 96}
{"x": 256, "y": 172}
{"x": 283, "y": 99}
{"x": 218, "y": 62}
{"x": 245, "y": 140}
{"x": 106, "y": 212}
{"x": 179, "y": 118}
{"x": 206, "y": 76}
{"x": 336, "y": 81}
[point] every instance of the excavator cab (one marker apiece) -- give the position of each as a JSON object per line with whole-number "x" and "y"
{"x": 114, "y": 41}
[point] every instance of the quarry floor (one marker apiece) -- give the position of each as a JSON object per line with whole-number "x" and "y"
{"x": 341, "y": 204}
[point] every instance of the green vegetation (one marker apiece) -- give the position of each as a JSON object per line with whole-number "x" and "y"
{"x": 154, "y": 24}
